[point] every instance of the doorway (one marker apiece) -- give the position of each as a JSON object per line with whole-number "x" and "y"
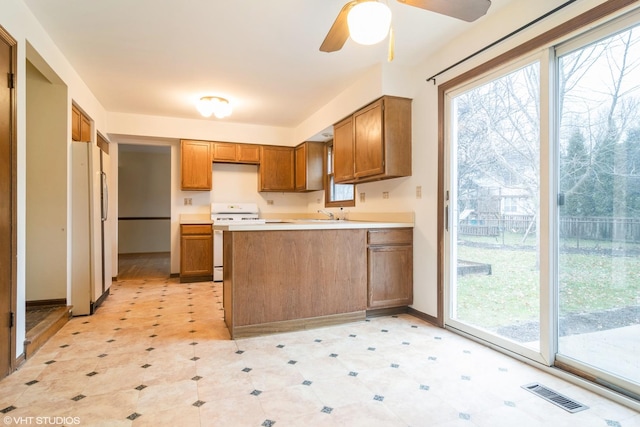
{"x": 7, "y": 208}
{"x": 144, "y": 211}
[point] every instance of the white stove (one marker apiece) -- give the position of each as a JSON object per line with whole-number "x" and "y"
{"x": 235, "y": 214}
{"x": 230, "y": 214}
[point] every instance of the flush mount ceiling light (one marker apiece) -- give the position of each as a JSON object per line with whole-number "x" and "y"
{"x": 369, "y": 22}
{"x": 219, "y": 107}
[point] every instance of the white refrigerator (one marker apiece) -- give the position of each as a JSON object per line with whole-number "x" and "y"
{"x": 90, "y": 237}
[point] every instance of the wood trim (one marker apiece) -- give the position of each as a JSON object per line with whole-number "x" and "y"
{"x": 193, "y": 279}
{"x": 143, "y": 218}
{"x": 381, "y": 312}
{"x": 572, "y": 25}
{"x": 46, "y": 302}
{"x": 103, "y": 143}
{"x": 296, "y": 324}
{"x": 423, "y": 316}
{"x": 14, "y": 362}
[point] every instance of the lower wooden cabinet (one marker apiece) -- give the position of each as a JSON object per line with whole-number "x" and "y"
{"x": 390, "y": 268}
{"x": 196, "y": 253}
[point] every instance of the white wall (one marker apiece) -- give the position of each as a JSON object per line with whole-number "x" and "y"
{"x": 46, "y": 219}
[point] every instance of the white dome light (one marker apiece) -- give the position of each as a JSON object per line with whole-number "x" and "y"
{"x": 219, "y": 107}
{"x": 369, "y": 22}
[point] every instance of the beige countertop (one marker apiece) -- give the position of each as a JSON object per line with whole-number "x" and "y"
{"x": 312, "y": 224}
{"x": 187, "y": 219}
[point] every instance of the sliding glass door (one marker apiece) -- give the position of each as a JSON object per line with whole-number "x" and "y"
{"x": 543, "y": 206}
{"x": 599, "y": 213}
{"x": 495, "y": 206}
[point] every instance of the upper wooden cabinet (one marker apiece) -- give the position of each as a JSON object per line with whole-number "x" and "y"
{"x": 276, "y": 168}
{"x": 80, "y": 125}
{"x": 195, "y": 163}
{"x": 248, "y": 153}
{"x": 380, "y": 139}
{"x": 309, "y": 166}
{"x": 230, "y": 152}
{"x": 343, "y": 150}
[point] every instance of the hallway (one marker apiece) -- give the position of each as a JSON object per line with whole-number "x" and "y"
{"x": 157, "y": 353}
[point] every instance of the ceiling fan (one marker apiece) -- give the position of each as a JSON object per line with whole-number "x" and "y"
{"x": 467, "y": 10}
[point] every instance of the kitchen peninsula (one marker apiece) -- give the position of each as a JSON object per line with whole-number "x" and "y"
{"x": 296, "y": 274}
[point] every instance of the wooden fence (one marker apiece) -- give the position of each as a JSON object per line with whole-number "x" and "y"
{"x": 588, "y": 228}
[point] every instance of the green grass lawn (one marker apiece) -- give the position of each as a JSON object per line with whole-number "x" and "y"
{"x": 510, "y": 295}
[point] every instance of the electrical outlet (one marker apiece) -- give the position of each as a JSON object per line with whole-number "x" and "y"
{"x": 361, "y": 197}
{"x": 419, "y": 192}
{"x": 188, "y": 201}
{"x": 270, "y": 202}
{"x": 385, "y": 194}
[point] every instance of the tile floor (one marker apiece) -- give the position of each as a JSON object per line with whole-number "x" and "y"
{"x": 157, "y": 353}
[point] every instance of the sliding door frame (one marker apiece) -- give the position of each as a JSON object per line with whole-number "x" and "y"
{"x": 548, "y": 184}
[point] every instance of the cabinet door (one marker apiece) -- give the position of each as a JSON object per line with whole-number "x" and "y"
{"x": 195, "y": 161}
{"x": 390, "y": 276}
{"x": 309, "y": 167}
{"x": 80, "y": 126}
{"x": 196, "y": 255}
{"x": 301, "y": 167}
{"x": 343, "y": 151}
{"x": 276, "y": 169}
{"x": 75, "y": 123}
{"x": 368, "y": 141}
{"x": 248, "y": 153}
{"x": 85, "y": 128}
{"x": 224, "y": 152}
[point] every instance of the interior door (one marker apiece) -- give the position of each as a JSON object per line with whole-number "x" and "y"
{"x": 7, "y": 261}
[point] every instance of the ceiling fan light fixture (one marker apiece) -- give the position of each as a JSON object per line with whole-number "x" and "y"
{"x": 369, "y": 22}
{"x": 219, "y": 107}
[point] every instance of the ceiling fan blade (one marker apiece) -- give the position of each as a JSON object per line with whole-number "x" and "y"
{"x": 467, "y": 10}
{"x": 339, "y": 31}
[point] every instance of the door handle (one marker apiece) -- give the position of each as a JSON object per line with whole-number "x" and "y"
{"x": 446, "y": 218}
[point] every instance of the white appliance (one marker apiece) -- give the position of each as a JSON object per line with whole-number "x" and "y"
{"x": 90, "y": 237}
{"x": 230, "y": 214}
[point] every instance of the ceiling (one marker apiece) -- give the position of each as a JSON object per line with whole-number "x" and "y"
{"x": 157, "y": 57}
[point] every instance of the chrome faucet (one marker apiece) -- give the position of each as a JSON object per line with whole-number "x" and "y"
{"x": 329, "y": 214}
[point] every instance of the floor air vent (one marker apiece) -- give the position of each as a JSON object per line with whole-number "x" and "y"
{"x": 556, "y": 398}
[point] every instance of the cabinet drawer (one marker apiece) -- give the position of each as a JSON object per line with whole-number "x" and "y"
{"x": 390, "y": 236}
{"x": 196, "y": 229}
